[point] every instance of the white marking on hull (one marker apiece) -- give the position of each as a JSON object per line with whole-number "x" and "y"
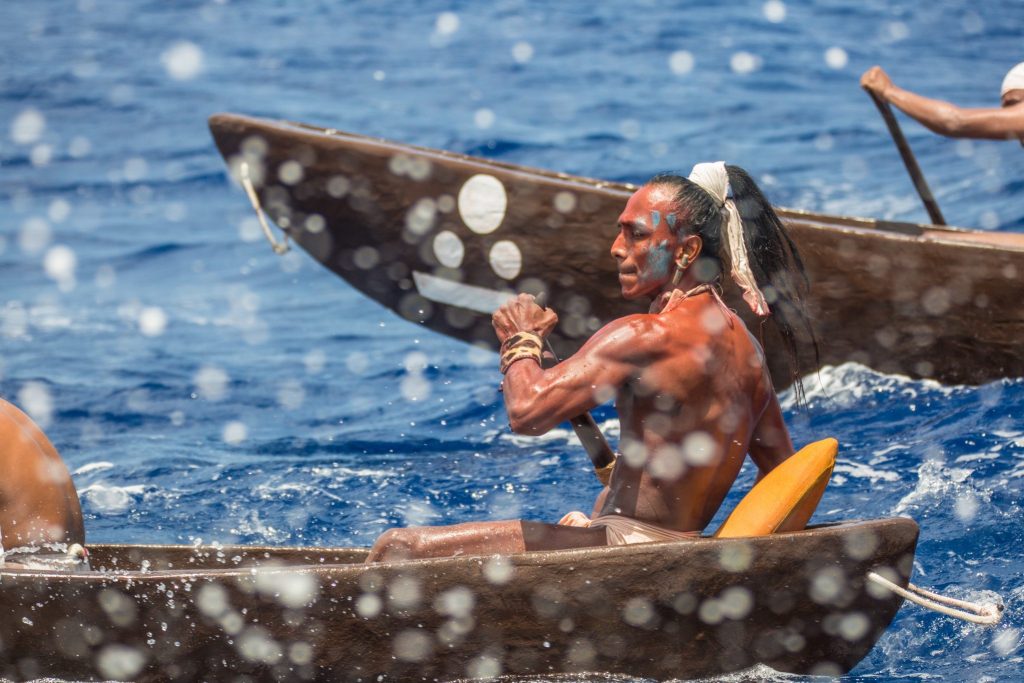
{"x": 448, "y": 249}
{"x": 471, "y": 297}
{"x": 506, "y": 259}
{"x": 482, "y": 203}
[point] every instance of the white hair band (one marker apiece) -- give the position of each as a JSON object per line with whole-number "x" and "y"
{"x": 713, "y": 178}
{"x": 1014, "y": 80}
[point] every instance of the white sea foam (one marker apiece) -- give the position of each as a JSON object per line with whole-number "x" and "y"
{"x": 252, "y": 525}
{"x": 274, "y": 491}
{"x": 610, "y": 428}
{"x": 1017, "y": 472}
{"x": 90, "y": 467}
{"x": 992, "y": 454}
{"x": 111, "y": 499}
{"x": 862, "y": 471}
{"x": 843, "y": 386}
{"x": 887, "y": 450}
{"x": 338, "y": 472}
{"x": 937, "y": 484}
{"x": 559, "y": 434}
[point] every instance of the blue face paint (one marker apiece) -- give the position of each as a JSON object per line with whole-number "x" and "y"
{"x": 655, "y": 218}
{"x": 671, "y": 220}
{"x": 659, "y": 259}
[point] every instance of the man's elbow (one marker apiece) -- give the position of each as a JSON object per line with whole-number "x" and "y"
{"x": 526, "y": 423}
{"x": 528, "y": 418}
{"x": 524, "y": 427}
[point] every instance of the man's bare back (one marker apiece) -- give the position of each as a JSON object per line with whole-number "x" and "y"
{"x": 690, "y": 384}
{"x": 38, "y": 501}
{"x": 690, "y": 417}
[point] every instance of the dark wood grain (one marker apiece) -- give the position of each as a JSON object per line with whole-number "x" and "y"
{"x": 919, "y": 300}
{"x": 797, "y": 602}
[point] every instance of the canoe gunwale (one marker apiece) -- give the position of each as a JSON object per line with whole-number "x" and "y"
{"x": 525, "y": 559}
{"x": 567, "y": 181}
{"x": 203, "y": 619}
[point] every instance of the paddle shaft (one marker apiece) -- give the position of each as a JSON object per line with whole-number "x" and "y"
{"x": 930, "y": 205}
{"x": 589, "y": 434}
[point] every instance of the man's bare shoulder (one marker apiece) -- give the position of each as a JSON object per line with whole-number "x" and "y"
{"x": 641, "y": 336}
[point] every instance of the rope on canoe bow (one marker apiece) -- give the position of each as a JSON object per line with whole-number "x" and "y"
{"x": 254, "y": 199}
{"x": 968, "y": 611}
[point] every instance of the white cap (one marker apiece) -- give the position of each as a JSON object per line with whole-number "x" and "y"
{"x": 1014, "y": 80}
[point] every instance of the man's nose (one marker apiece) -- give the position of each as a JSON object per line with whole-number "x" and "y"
{"x": 619, "y": 248}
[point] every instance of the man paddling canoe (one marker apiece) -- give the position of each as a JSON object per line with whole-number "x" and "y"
{"x": 1006, "y": 122}
{"x": 690, "y": 382}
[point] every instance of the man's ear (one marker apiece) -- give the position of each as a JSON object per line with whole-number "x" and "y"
{"x": 691, "y": 246}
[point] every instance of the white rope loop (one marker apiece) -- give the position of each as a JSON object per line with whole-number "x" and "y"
{"x": 961, "y": 609}
{"x": 278, "y": 247}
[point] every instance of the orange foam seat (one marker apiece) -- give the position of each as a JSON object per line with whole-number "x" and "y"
{"x": 786, "y": 498}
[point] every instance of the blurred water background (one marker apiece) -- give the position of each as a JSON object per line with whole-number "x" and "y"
{"x": 202, "y": 388}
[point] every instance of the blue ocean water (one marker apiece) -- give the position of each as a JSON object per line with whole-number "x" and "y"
{"x": 201, "y": 387}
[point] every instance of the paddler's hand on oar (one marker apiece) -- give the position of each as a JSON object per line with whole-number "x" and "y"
{"x": 877, "y": 81}
{"x": 522, "y": 314}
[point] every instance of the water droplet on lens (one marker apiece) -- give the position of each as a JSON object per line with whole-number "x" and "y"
{"x": 183, "y": 61}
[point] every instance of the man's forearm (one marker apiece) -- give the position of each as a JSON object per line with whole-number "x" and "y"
{"x": 936, "y": 115}
{"x": 522, "y": 401}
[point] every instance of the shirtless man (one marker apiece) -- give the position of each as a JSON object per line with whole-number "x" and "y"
{"x": 38, "y": 501}
{"x": 1004, "y": 123}
{"x": 690, "y": 382}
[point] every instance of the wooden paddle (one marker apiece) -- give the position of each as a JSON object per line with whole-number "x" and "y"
{"x": 930, "y": 205}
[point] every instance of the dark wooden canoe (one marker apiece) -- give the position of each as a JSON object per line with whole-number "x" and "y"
{"x": 437, "y": 236}
{"x": 797, "y": 602}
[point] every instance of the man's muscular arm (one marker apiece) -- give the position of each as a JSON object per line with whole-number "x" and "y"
{"x": 945, "y": 118}
{"x": 537, "y": 399}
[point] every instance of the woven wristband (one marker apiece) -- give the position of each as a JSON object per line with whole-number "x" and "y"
{"x": 521, "y": 338}
{"x": 519, "y": 346}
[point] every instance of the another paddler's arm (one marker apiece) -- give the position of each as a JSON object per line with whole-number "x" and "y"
{"x": 946, "y": 118}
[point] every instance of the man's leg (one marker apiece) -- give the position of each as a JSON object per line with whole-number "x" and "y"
{"x": 479, "y": 538}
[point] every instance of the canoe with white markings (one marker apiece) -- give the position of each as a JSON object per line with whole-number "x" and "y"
{"x": 442, "y": 238}
{"x": 797, "y": 602}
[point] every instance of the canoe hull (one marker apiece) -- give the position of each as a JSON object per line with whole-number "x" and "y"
{"x": 796, "y": 602}
{"x": 918, "y": 300}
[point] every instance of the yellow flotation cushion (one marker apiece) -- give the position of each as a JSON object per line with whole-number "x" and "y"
{"x": 786, "y": 498}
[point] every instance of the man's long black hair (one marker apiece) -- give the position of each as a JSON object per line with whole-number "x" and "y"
{"x": 774, "y": 259}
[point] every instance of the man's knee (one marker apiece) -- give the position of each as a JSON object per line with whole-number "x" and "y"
{"x": 396, "y": 544}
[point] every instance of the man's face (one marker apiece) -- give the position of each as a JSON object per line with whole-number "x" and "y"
{"x": 1012, "y": 97}
{"x": 646, "y": 244}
